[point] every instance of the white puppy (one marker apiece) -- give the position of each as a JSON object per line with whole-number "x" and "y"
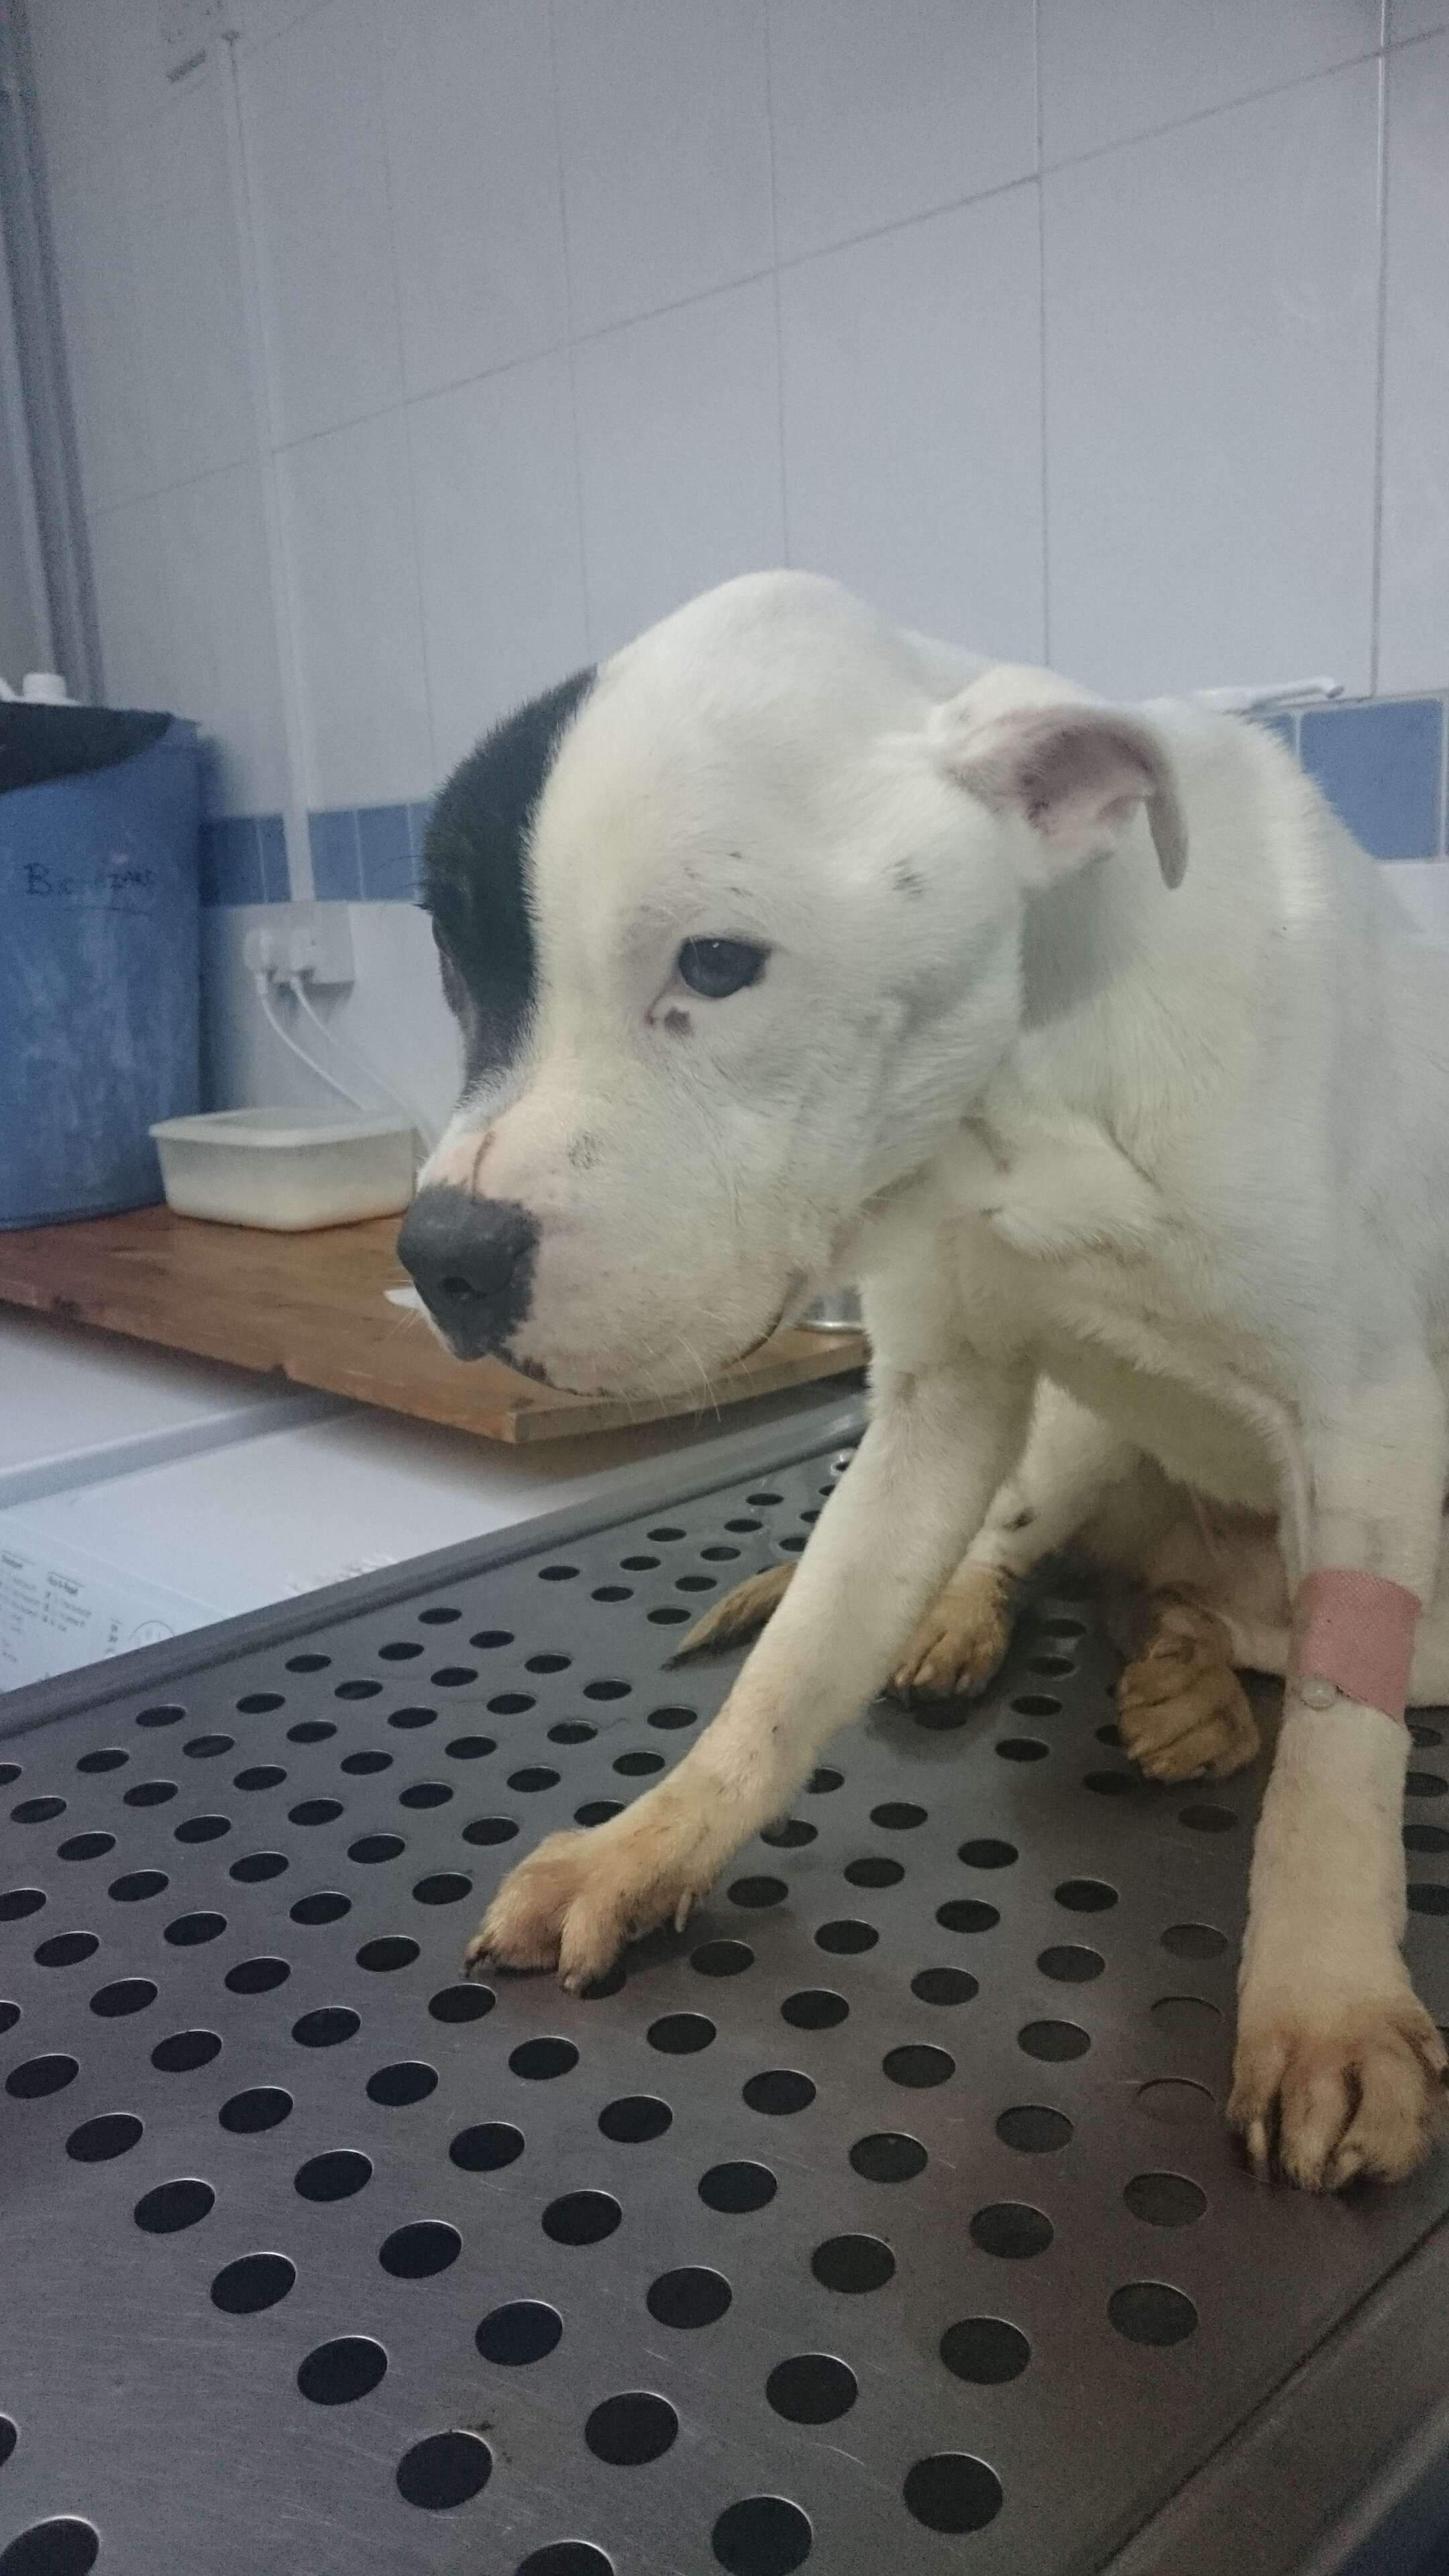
{"x": 789, "y": 949}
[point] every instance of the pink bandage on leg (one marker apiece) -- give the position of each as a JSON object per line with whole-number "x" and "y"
{"x": 1356, "y": 1631}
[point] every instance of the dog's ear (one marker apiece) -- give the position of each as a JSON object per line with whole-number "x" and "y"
{"x": 1067, "y": 778}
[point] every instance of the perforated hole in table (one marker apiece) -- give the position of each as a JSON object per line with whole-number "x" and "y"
{"x": 887, "y": 2217}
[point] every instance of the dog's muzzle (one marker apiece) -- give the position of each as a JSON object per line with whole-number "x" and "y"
{"x": 472, "y": 1260}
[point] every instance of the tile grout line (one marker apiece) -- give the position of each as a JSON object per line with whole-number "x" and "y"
{"x": 584, "y": 339}
{"x": 850, "y": 241}
{"x": 1222, "y": 107}
{"x": 252, "y": 48}
{"x": 577, "y": 339}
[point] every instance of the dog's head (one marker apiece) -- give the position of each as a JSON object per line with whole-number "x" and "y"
{"x": 732, "y": 930}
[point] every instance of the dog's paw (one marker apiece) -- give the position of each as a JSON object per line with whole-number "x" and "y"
{"x": 1182, "y": 1710}
{"x": 742, "y": 1613}
{"x": 580, "y": 1897}
{"x": 1328, "y": 2095}
{"x": 961, "y": 1643}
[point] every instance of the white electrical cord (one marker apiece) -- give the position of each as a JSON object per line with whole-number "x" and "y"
{"x": 264, "y": 996}
{"x": 359, "y": 1064}
{"x": 267, "y": 985}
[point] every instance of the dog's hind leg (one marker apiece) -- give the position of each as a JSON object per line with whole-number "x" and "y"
{"x": 1071, "y": 1462}
{"x": 1212, "y": 1601}
{"x": 1181, "y": 1709}
{"x": 741, "y": 1614}
{"x": 1218, "y": 1607}
{"x": 1261, "y": 1638}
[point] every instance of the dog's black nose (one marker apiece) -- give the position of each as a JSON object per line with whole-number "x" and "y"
{"x": 473, "y": 1263}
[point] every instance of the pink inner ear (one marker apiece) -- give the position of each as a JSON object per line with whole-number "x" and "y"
{"x": 1069, "y": 764}
{"x": 1119, "y": 811}
{"x": 1080, "y": 827}
{"x": 1076, "y": 777}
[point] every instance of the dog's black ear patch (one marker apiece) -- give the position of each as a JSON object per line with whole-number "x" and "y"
{"x": 475, "y": 872}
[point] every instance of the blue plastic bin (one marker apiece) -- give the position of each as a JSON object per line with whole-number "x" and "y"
{"x": 99, "y": 981}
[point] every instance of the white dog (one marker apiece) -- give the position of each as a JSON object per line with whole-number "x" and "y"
{"x": 790, "y": 948}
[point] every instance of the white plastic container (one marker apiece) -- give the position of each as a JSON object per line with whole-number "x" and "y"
{"x": 288, "y": 1169}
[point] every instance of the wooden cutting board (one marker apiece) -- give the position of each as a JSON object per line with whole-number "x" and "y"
{"x": 313, "y": 1307}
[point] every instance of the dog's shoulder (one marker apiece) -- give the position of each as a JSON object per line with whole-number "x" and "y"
{"x": 1052, "y": 1187}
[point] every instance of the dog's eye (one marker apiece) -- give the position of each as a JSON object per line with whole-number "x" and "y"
{"x": 714, "y": 968}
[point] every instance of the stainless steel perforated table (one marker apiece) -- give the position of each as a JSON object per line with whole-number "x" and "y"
{"x": 884, "y": 2220}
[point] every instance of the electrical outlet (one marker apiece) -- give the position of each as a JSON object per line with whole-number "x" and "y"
{"x": 313, "y": 941}
{"x": 319, "y": 936}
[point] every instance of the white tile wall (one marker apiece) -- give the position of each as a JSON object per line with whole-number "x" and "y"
{"x": 912, "y": 417}
{"x": 101, "y": 317}
{"x": 192, "y": 346}
{"x": 258, "y": 21}
{"x": 679, "y": 457}
{"x": 136, "y": 62}
{"x": 329, "y": 288}
{"x": 665, "y": 126}
{"x": 347, "y": 523}
{"x": 138, "y": 652}
{"x": 99, "y": 67}
{"x": 224, "y": 671}
{"x": 572, "y": 306}
{"x": 884, "y": 113}
{"x": 1416, "y": 17}
{"x": 474, "y": 179}
{"x": 68, "y": 48}
{"x": 1416, "y": 373}
{"x": 1114, "y": 68}
{"x": 1211, "y": 331}
{"x": 495, "y": 484}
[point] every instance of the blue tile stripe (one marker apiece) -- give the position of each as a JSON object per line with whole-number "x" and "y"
{"x": 244, "y": 860}
{"x": 385, "y": 851}
{"x": 276, "y": 879}
{"x": 336, "y": 865}
{"x": 360, "y": 854}
{"x": 368, "y": 853}
{"x": 1381, "y": 764}
{"x": 1379, "y": 761}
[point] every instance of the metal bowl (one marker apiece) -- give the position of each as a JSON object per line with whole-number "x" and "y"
{"x": 839, "y": 1314}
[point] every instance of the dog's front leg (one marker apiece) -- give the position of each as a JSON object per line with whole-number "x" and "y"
{"x": 937, "y": 1448}
{"x": 1338, "y": 2065}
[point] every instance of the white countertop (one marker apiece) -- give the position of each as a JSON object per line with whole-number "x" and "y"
{"x": 142, "y": 1495}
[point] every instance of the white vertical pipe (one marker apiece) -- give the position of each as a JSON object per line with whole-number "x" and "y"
{"x": 240, "y": 194}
